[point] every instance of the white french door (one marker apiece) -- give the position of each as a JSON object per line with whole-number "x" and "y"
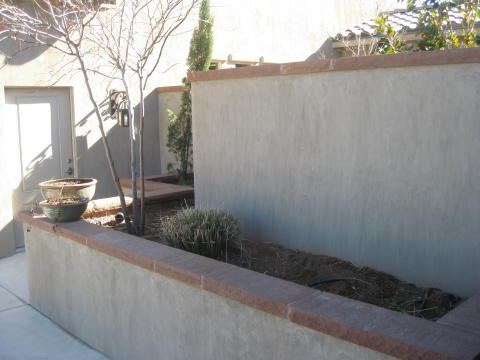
{"x": 40, "y": 121}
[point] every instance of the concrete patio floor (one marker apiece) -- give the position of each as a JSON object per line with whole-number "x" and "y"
{"x": 24, "y": 332}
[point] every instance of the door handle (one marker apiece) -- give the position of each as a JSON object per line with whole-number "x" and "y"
{"x": 69, "y": 171}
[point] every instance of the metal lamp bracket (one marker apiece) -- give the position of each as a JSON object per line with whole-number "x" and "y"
{"x": 119, "y": 108}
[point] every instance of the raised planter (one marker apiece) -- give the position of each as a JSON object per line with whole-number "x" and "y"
{"x": 160, "y": 187}
{"x": 132, "y": 298}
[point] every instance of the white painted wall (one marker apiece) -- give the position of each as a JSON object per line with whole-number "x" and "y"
{"x": 285, "y": 30}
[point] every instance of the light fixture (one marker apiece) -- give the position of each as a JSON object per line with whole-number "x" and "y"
{"x": 119, "y": 107}
{"x": 123, "y": 117}
{"x": 115, "y": 100}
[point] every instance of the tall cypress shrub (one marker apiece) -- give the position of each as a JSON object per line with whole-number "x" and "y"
{"x": 180, "y": 126}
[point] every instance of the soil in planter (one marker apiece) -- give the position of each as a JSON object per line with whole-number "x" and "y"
{"x": 322, "y": 272}
{"x": 69, "y": 182}
{"x": 176, "y": 181}
{"x": 64, "y": 201}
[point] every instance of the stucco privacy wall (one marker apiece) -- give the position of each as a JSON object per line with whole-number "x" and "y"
{"x": 126, "y": 312}
{"x": 378, "y": 166}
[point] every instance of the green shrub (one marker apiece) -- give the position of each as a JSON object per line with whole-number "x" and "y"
{"x": 203, "y": 231}
{"x": 179, "y": 140}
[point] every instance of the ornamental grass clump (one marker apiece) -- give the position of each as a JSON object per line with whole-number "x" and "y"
{"x": 206, "y": 232}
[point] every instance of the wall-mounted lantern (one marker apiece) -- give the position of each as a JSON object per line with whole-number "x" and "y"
{"x": 123, "y": 118}
{"x": 119, "y": 107}
{"x": 116, "y": 97}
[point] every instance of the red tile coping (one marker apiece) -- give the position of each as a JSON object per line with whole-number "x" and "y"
{"x": 164, "y": 89}
{"x": 466, "y": 316}
{"x": 454, "y": 56}
{"x": 379, "y": 329}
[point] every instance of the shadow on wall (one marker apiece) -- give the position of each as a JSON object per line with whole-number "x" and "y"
{"x": 326, "y": 51}
{"x": 92, "y": 161}
{"x": 16, "y": 53}
{"x": 25, "y": 196}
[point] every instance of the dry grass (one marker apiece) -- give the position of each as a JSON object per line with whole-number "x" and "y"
{"x": 203, "y": 231}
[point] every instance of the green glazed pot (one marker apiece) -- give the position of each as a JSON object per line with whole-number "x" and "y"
{"x": 63, "y": 212}
{"x": 68, "y": 188}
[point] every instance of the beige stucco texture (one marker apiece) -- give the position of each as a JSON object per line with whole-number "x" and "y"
{"x": 380, "y": 167}
{"x": 127, "y": 312}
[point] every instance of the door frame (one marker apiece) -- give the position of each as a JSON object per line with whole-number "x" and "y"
{"x": 72, "y": 115}
{"x": 70, "y": 110}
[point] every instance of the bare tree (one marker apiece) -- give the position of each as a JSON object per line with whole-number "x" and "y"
{"x": 133, "y": 46}
{"x": 357, "y": 45}
{"x": 121, "y": 41}
{"x": 383, "y": 39}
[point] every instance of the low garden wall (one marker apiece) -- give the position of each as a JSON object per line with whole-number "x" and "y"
{"x": 131, "y": 298}
{"x": 372, "y": 159}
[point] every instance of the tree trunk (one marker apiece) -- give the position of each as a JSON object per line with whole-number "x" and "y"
{"x": 141, "y": 223}
{"x": 133, "y": 161}
{"x": 108, "y": 152}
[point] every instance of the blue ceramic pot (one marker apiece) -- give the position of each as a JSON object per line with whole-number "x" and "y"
{"x": 59, "y": 211}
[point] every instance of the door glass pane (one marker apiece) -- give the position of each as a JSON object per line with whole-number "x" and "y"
{"x": 38, "y": 150}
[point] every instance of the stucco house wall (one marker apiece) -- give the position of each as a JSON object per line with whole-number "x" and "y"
{"x": 285, "y": 31}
